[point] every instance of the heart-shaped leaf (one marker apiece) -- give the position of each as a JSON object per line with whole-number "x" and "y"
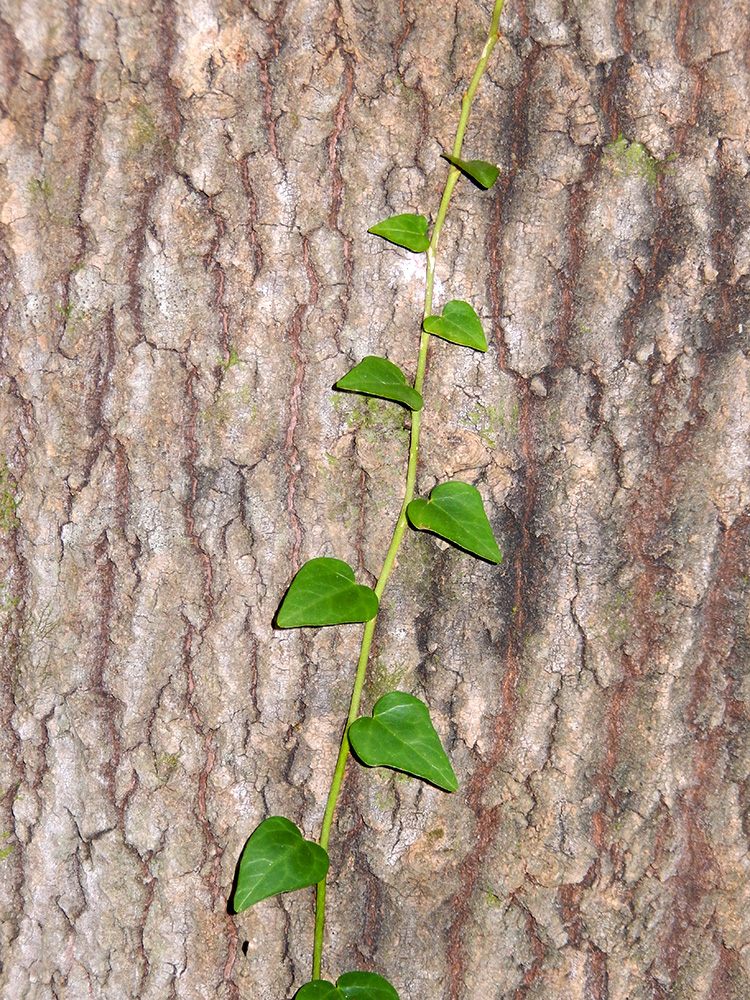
{"x": 485, "y": 174}
{"x": 459, "y": 324}
{"x": 277, "y": 858}
{"x": 350, "y": 986}
{"x": 324, "y": 593}
{"x": 407, "y": 230}
{"x": 400, "y": 734}
{"x": 380, "y": 377}
{"x": 455, "y": 512}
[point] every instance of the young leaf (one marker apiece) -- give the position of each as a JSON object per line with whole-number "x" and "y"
{"x": 277, "y": 858}
{"x": 350, "y": 986}
{"x": 455, "y": 512}
{"x": 400, "y": 734}
{"x": 407, "y": 230}
{"x": 459, "y": 324}
{"x": 380, "y": 377}
{"x": 485, "y": 174}
{"x": 324, "y": 593}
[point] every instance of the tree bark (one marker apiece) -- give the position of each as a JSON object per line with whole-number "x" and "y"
{"x": 186, "y": 188}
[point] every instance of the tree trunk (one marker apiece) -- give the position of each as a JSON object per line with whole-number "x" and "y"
{"x": 186, "y": 189}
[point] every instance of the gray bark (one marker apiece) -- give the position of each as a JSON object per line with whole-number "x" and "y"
{"x": 190, "y": 182}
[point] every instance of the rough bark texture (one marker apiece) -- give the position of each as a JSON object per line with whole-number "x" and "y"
{"x": 186, "y": 187}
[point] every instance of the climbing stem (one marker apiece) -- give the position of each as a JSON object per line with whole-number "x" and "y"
{"x": 411, "y": 477}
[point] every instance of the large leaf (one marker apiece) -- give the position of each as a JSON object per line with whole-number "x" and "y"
{"x": 400, "y": 734}
{"x": 408, "y": 231}
{"x": 350, "y": 986}
{"x": 459, "y": 324}
{"x": 277, "y": 858}
{"x": 380, "y": 377}
{"x": 324, "y": 593}
{"x": 485, "y": 174}
{"x": 455, "y": 512}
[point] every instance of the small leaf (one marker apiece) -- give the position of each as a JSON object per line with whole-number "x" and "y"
{"x": 400, "y": 734}
{"x": 350, "y": 986}
{"x": 408, "y": 231}
{"x": 323, "y": 592}
{"x": 455, "y": 512}
{"x": 380, "y": 377}
{"x": 459, "y": 324}
{"x": 276, "y": 859}
{"x": 485, "y": 174}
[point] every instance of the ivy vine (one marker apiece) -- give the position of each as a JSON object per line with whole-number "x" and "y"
{"x": 399, "y": 734}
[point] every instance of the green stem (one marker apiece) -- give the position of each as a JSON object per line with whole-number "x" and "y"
{"x": 411, "y": 478}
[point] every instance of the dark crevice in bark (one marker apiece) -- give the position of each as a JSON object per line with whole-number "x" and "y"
{"x": 518, "y": 137}
{"x": 569, "y": 277}
{"x": 366, "y": 948}
{"x": 134, "y": 247}
{"x": 650, "y": 279}
{"x": 291, "y": 452}
{"x": 192, "y": 475}
{"x": 219, "y": 305}
{"x": 682, "y": 48}
{"x": 611, "y": 95}
{"x": 212, "y": 849}
{"x": 340, "y": 121}
{"x": 525, "y": 567}
{"x": 92, "y": 124}
{"x": 11, "y": 63}
{"x": 623, "y": 25}
{"x": 597, "y": 977}
{"x": 273, "y": 28}
{"x": 252, "y": 202}
{"x": 733, "y": 293}
{"x": 167, "y": 20}
{"x": 538, "y": 952}
{"x": 406, "y": 31}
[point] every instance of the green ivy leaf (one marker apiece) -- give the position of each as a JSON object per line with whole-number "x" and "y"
{"x": 275, "y": 859}
{"x": 455, "y": 512}
{"x": 407, "y": 230}
{"x": 400, "y": 734}
{"x": 459, "y": 324}
{"x": 485, "y": 174}
{"x": 380, "y": 377}
{"x": 323, "y": 592}
{"x": 318, "y": 989}
{"x": 350, "y": 986}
